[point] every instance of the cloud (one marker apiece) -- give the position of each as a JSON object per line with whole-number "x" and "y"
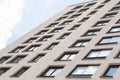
{"x": 11, "y": 12}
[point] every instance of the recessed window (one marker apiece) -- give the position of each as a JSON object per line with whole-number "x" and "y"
{"x": 42, "y": 32}
{"x": 36, "y": 58}
{"x": 56, "y": 30}
{"x": 100, "y": 6}
{"x": 84, "y": 71}
{"x": 20, "y": 72}
{"x": 90, "y": 4}
{"x": 67, "y": 56}
{"x": 83, "y": 10}
{"x": 4, "y": 58}
{"x": 61, "y": 18}
{"x": 30, "y": 40}
{"x": 80, "y": 43}
{"x": 92, "y": 32}
{"x": 3, "y": 70}
{"x": 114, "y": 29}
{"x": 70, "y": 12}
{"x": 111, "y": 71}
{"x": 75, "y": 15}
{"x": 64, "y": 36}
{"x": 51, "y": 72}
{"x": 17, "y": 59}
{"x": 118, "y": 3}
{"x": 96, "y": 54}
{"x": 78, "y": 7}
{"x": 101, "y": 23}
{"x": 32, "y": 48}
{"x": 17, "y": 49}
{"x": 118, "y": 21}
{"x": 106, "y": 1}
{"x": 109, "y": 15}
{"x": 109, "y": 40}
{"x": 93, "y": 12}
{"x": 84, "y": 19}
{"x": 50, "y": 47}
{"x": 52, "y": 25}
{"x": 115, "y": 8}
{"x": 66, "y": 22}
{"x": 75, "y": 27}
{"x": 45, "y": 38}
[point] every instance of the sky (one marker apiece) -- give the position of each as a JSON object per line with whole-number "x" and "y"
{"x": 17, "y": 17}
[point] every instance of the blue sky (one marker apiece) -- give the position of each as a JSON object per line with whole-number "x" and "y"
{"x": 20, "y": 16}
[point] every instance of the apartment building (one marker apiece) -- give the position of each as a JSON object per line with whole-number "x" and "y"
{"x": 80, "y": 43}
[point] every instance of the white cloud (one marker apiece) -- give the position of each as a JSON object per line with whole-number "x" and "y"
{"x": 11, "y": 12}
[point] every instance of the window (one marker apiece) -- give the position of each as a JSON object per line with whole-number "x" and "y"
{"x": 93, "y": 12}
{"x": 45, "y": 38}
{"x": 56, "y": 30}
{"x": 115, "y": 8}
{"x": 101, "y": 23}
{"x": 89, "y": 5}
{"x": 75, "y": 15}
{"x": 67, "y": 56}
{"x": 36, "y": 58}
{"x": 110, "y": 40}
{"x": 118, "y": 21}
{"x": 32, "y": 48}
{"x": 84, "y": 19}
{"x": 42, "y": 32}
{"x": 64, "y": 36}
{"x": 66, "y": 22}
{"x": 100, "y": 6}
{"x": 83, "y": 10}
{"x": 51, "y": 46}
{"x": 95, "y": 54}
{"x": 78, "y": 7}
{"x": 51, "y": 72}
{"x": 61, "y": 18}
{"x": 17, "y": 59}
{"x": 75, "y": 27}
{"x": 30, "y": 40}
{"x": 84, "y": 71}
{"x": 106, "y": 1}
{"x": 52, "y": 25}
{"x": 92, "y": 32}
{"x": 4, "y": 58}
{"x": 109, "y": 15}
{"x": 114, "y": 29}
{"x": 118, "y": 3}
{"x": 111, "y": 71}
{"x": 70, "y": 12}
{"x": 80, "y": 43}
{"x": 16, "y": 50}
{"x": 20, "y": 72}
{"x": 3, "y": 70}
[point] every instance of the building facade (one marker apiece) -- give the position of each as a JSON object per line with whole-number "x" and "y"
{"x": 80, "y": 43}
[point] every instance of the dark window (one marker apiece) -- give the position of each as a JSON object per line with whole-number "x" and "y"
{"x": 16, "y": 50}
{"x": 118, "y": 3}
{"x": 114, "y": 29}
{"x": 51, "y": 72}
{"x": 84, "y": 71}
{"x": 75, "y": 27}
{"x": 111, "y": 71}
{"x": 78, "y": 7}
{"x": 17, "y": 59}
{"x": 101, "y": 23}
{"x": 30, "y": 40}
{"x": 118, "y": 21}
{"x": 96, "y": 54}
{"x": 36, "y": 58}
{"x": 83, "y": 10}
{"x": 109, "y": 40}
{"x": 20, "y": 72}
{"x": 70, "y": 12}
{"x": 100, "y": 6}
{"x": 61, "y": 18}
{"x": 3, "y": 70}
{"x": 67, "y": 56}
{"x": 80, "y": 43}
{"x": 56, "y": 30}
{"x": 93, "y": 12}
{"x": 32, "y": 48}
{"x": 52, "y": 25}
{"x": 4, "y": 58}
{"x": 109, "y": 15}
{"x": 84, "y": 19}
{"x": 50, "y": 47}
{"x": 115, "y": 8}
{"x": 106, "y": 1}
{"x": 91, "y": 32}
{"x": 42, "y": 32}
{"x": 75, "y": 15}
{"x": 45, "y": 38}
{"x": 66, "y": 22}
{"x": 89, "y": 5}
{"x": 64, "y": 36}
